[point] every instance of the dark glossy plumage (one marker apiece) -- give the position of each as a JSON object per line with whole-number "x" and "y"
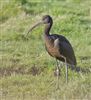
{"x": 64, "y": 48}
{"x": 57, "y": 46}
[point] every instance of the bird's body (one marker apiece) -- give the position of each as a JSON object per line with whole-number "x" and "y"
{"x": 57, "y": 45}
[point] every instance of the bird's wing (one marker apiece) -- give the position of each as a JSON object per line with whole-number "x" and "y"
{"x": 60, "y": 37}
{"x": 65, "y": 49}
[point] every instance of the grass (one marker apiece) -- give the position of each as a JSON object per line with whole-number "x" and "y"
{"x": 26, "y": 70}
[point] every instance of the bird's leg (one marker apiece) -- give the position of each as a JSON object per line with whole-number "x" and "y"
{"x": 57, "y": 73}
{"x": 66, "y": 67}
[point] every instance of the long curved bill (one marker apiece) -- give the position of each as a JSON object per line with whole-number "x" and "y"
{"x": 34, "y": 26}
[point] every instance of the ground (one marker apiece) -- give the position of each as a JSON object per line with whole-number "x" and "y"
{"x": 26, "y": 69}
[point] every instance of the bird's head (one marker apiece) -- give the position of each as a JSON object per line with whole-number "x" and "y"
{"x": 45, "y": 20}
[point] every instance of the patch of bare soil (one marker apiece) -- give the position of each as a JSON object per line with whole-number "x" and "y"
{"x": 34, "y": 70}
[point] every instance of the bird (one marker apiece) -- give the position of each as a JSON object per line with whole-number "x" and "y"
{"x": 57, "y": 46}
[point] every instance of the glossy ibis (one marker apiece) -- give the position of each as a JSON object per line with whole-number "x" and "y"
{"x": 57, "y": 45}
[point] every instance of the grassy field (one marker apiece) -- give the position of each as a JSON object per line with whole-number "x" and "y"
{"x": 26, "y": 69}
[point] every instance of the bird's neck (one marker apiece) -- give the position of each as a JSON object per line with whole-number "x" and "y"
{"x": 47, "y": 29}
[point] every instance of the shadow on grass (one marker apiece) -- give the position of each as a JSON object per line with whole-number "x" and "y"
{"x": 83, "y": 70}
{"x": 86, "y": 61}
{"x": 36, "y": 70}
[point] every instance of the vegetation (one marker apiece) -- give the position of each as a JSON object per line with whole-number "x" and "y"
{"x": 26, "y": 70}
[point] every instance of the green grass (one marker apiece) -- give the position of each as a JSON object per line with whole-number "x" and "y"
{"x": 26, "y": 69}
